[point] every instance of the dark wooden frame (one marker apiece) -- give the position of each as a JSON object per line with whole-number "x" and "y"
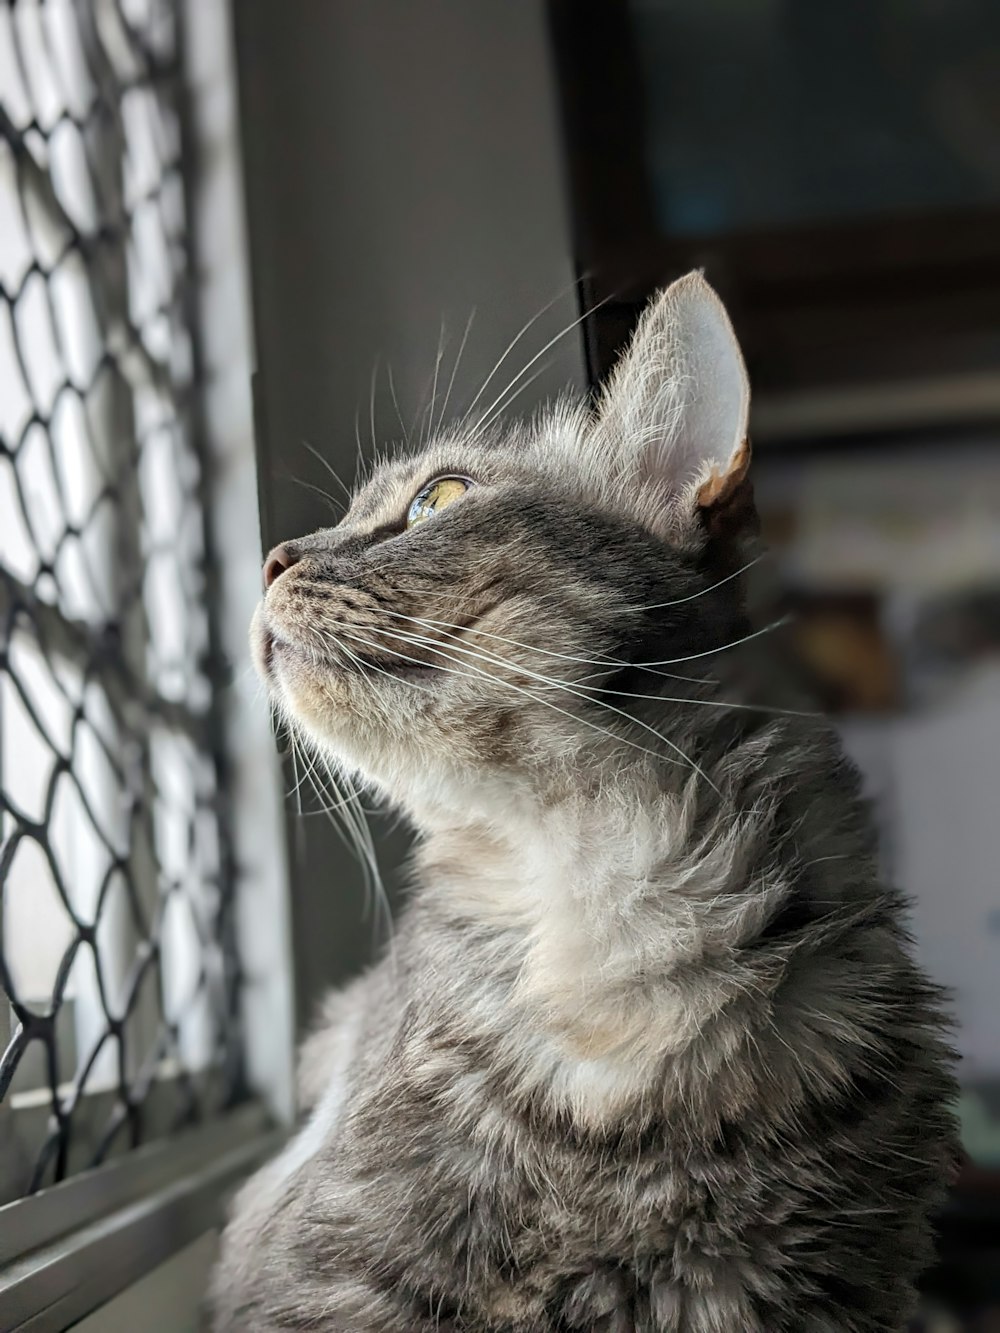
{"x": 891, "y": 299}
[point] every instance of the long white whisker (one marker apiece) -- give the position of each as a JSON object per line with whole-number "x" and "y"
{"x": 297, "y": 789}
{"x": 323, "y": 795}
{"x": 568, "y": 689}
{"x": 486, "y": 422}
{"x": 429, "y": 418}
{"x": 366, "y": 667}
{"x": 324, "y": 495}
{"x": 395, "y": 403}
{"x": 360, "y": 454}
{"x": 330, "y": 468}
{"x": 356, "y": 814}
{"x": 513, "y": 343}
{"x": 343, "y": 830}
{"x": 352, "y": 827}
{"x": 485, "y": 655}
{"x": 539, "y": 354}
{"x": 658, "y": 606}
{"x": 735, "y": 643}
{"x": 371, "y": 403}
{"x": 454, "y": 372}
{"x": 580, "y": 694}
{"x": 612, "y": 661}
{"x": 608, "y": 663}
{"x": 475, "y": 673}
{"x": 363, "y": 844}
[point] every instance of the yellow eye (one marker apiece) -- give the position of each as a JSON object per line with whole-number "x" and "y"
{"x": 435, "y": 496}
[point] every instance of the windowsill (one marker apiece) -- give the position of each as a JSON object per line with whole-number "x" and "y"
{"x": 67, "y": 1249}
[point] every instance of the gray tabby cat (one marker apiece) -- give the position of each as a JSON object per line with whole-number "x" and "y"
{"x": 652, "y": 1053}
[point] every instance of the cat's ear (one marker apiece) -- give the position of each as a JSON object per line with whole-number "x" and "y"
{"x": 674, "y": 416}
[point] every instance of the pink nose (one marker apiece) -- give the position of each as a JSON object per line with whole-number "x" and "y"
{"x": 278, "y": 560}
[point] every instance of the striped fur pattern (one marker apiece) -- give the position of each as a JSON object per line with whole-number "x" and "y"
{"x": 650, "y": 1051}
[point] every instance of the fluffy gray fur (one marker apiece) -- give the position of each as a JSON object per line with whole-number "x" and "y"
{"x": 651, "y": 1052}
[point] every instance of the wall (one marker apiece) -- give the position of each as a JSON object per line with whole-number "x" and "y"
{"x": 403, "y": 171}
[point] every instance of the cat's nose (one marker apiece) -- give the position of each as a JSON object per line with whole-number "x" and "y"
{"x": 279, "y": 559}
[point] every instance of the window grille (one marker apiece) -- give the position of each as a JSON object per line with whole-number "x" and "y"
{"x": 119, "y": 1012}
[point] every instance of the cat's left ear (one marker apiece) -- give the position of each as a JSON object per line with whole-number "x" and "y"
{"x": 674, "y": 416}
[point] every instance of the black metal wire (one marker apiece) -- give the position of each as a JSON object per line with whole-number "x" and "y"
{"x": 113, "y": 791}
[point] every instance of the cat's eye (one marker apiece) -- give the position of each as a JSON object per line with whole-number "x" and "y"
{"x": 434, "y": 497}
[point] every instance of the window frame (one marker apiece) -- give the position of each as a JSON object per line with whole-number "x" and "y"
{"x": 67, "y": 1249}
{"x": 506, "y": 251}
{"x": 58, "y": 635}
{"x": 813, "y": 375}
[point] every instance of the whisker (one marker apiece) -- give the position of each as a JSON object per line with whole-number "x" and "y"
{"x": 297, "y": 789}
{"x": 429, "y": 416}
{"x": 608, "y": 663}
{"x": 366, "y": 667}
{"x": 486, "y": 422}
{"x": 324, "y": 495}
{"x": 476, "y": 673}
{"x": 780, "y": 623}
{"x": 624, "y": 694}
{"x": 360, "y": 454}
{"x": 329, "y": 467}
{"x": 454, "y": 372}
{"x": 395, "y": 402}
{"x": 371, "y": 403}
{"x": 679, "y": 601}
{"x": 567, "y": 689}
{"x": 731, "y": 704}
{"x": 296, "y": 736}
{"x": 539, "y": 354}
{"x": 513, "y": 343}
{"x": 352, "y": 827}
{"x": 355, "y": 812}
{"x": 579, "y": 694}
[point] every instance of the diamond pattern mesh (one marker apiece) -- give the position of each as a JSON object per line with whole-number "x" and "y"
{"x": 117, "y": 957}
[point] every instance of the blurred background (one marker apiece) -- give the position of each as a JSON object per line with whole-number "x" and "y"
{"x": 240, "y": 243}
{"x": 834, "y": 168}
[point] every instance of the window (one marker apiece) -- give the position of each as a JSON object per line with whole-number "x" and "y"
{"x": 118, "y": 964}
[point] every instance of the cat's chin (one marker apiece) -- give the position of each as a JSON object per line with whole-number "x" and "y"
{"x": 337, "y": 702}
{"x": 278, "y": 655}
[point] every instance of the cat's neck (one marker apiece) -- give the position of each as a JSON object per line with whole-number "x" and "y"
{"x": 613, "y": 897}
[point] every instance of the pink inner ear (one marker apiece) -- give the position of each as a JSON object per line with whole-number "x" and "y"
{"x": 721, "y": 486}
{"x": 725, "y": 502}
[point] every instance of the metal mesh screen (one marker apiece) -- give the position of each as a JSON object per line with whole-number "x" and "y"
{"x": 117, "y": 956}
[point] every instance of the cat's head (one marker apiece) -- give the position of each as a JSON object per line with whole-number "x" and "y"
{"x": 488, "y": 609}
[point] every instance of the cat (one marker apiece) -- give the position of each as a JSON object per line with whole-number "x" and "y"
{"x": 650, "y": 1051}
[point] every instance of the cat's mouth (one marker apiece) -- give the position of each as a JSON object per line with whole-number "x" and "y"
{"x": 368, "y": 663}
{"x": 274, "y": 648}
{"x": 343, "y": 650}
